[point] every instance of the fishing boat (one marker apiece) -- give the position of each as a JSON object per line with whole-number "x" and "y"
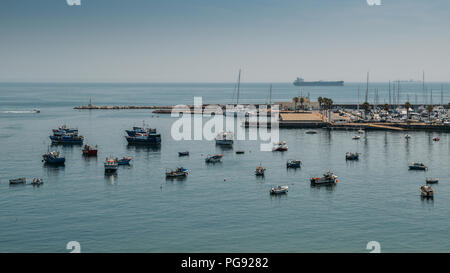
{"x": 18, "y": 181}
{"x": 144, "y": 139}
{"x": 351, "y": 156}
{"x": 280, "y": 146}
{"x": 356, "y": 137}
{"x": 37, "y": 181}
{"x": 214, "y": 158}
{"x": 124, "y": 160}
{"x": 88, "y": 150}
{"x": 179, "y": 172}
{"x": 418, "y": 166}
{"x": 279, "y": 190}
{"x": 436, "y": 138}
{"x": 432, "y": 180}
{"x": 63, "y": 129}
{"x": 407, "y": 136}
{"x": 68, "y": 138}
{"x": 291, "y": 163}
{"x": 260, "y": 170}
{"x": 327, "y": 178}
{"x": 311, "y": 132}
{"x": 53, "y": 158}
{"x": 183, "y": 153}
{"x": 111, "y": 165}
{"x": 140, "y": 130}
{"x": 426, "y": 191}
{"x": 239, "y": 152}
{"x": 224, "y": 138}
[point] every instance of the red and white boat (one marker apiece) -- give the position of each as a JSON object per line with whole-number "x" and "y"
{"x": 88, "y": 150}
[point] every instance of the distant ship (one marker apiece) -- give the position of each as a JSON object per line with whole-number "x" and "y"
{"x": 301, "y": 82}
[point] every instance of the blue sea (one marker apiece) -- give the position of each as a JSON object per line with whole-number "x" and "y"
{"x": 221, "y": 207}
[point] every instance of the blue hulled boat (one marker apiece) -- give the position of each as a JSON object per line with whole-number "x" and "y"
{"x": 124, "y": 160}
{"x": 53, "y": 158}
{"x": 140, "y": 130}
{"x": 67, "y": 139}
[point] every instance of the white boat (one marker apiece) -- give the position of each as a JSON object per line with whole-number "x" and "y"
{"x": 280, "y": 146}
{"x": 224, "y": 138}
{"x": 37, "y": 181}
{"x": 426, "y": 191}
{"x": 431, "y": 180}
{"x": 356, "y": 137}
{"x": 279, "y": 190}
{"x": 327, "y": 178}
{"x": 361, "y": 131}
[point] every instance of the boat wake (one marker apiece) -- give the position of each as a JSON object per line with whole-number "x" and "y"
{"x": 19, "y": 112}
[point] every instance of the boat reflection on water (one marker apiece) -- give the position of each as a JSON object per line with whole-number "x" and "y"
{"x": 144, "y": 148}
{"x": 111, "y": 178}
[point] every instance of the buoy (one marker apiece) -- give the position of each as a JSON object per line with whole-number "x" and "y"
{"x": 337, "y": 180}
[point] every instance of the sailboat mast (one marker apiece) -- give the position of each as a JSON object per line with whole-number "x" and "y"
{"x": 238, "y": 86}
{"x": 367, "y": 89}
{"x": 270, "y": 95}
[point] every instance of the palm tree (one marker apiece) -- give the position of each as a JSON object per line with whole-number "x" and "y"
{"x": 407, "y": 106}
{"x": 386, "y": 107}
{"x": 302, "y": 100}
{"x": 429, "y": 109}
{"x": 295, "y": 100}
{"x": 320, "y": 101}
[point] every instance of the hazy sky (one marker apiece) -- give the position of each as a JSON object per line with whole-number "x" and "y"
{"x": 209, "y": 40}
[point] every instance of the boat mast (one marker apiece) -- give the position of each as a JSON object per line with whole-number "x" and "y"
{"x": 389, "y": 93}
{"x": 367, "y": 88}
{"x": 270, "y": 95}
{"x": 238, "y": 86}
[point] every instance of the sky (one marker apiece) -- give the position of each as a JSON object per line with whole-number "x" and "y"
{"x": 210, "y": 40}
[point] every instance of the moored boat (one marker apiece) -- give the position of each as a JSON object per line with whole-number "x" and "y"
{"x": 178, "y": 172}
{"x": 214, "y": 159}
{"x": 183, "y": 153}
{"x": 18, "y": 181}
{"x": 407, "y": 136}
{"x": 432, "y": 180}
{"x": 418, "y": 166}
{"x": 224, "y": 138}
{"x": 356, "y": 137}
{"x": 426, "y": 191}
{"x": 140, "y": 130}
{"x": 279, "y": 190}
{"x": 111, "y": 165}
{"x": 124, "y": 160}
{"x": 239, "y": 152}
{"x": 361, "y": 131}
{"x": 327, "y": 178}
{"x": 351, "y": 156}
{"x": 144, "y": 139}
{"x": 260, "y": 170}
{"x": 436, "y": 138}
{"x": 311, "y": 132}
{"x": 291, "y": 163}
{"x": 88, "y": 150}
{"x": 70, "y": 138}
{"x": 37, "y": 181}
{"x": 53, "y": 158}
{"x": 280, "y": 146}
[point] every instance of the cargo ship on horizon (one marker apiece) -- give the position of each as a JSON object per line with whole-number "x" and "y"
{"x": 301, "y": 82}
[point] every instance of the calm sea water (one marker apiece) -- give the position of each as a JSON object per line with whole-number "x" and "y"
{"x": 376, "y": 199}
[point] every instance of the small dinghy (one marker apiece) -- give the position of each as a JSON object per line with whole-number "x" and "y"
{"x": 183, "y": 153}
{"x": 426, "y": 191}
{"x": 240, "y": 152}
{"x": 293, "y": 163}
{"x": 279, "y": 190}
{"x": 260, "y": 170}
{"x": 179, "y": 172}
{"x": 37, "y": 181}
{"x": 18, "y": 181}
{"x": 214, "y": 158}
{"x": 436, "y": 138}
{"x": 361, "y": 131}
{"x": 351, "y": 156}
{"x": 311, "y": 132}
{"x": 124, "y": 160}
{"x": 356, "y": 137}
{"x": 430, "y": 180}
{"x": 418, "y": 166}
